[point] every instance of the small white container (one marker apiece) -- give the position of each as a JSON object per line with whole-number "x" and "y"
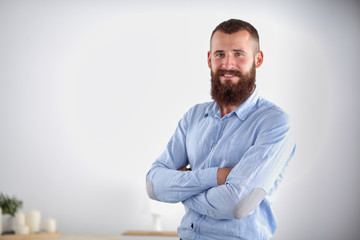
{"x": 33, "y": 220}
{"x": 19, "y": 219}
{"x": 50, "y": 225}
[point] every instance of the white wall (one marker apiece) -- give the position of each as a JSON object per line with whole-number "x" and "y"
{"x": 91, "y": 91}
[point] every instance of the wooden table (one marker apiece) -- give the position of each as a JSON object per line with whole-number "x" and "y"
{"x": 129, "y": 235}
{"x": 144, "y": 235}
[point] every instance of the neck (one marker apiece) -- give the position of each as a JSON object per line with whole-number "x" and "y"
{"x": 227, "y": 109}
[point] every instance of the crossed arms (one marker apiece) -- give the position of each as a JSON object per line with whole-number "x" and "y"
{"x": 222, "y": 193}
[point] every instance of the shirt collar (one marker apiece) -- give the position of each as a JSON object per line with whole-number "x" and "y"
{"x": 241, "y": 112}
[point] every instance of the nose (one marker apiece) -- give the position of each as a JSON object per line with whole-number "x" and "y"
{"x": 229, "y": 63}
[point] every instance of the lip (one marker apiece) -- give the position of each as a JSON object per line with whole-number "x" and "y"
{"x": 228, "y": 76}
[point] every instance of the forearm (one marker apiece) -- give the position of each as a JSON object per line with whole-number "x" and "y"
{"x": 171, "y": 185}
{"x": 221, "y": 203}
{"x": 215, "y": 202}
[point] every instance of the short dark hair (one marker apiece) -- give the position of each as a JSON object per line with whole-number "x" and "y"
{"x": 235, "y": 25}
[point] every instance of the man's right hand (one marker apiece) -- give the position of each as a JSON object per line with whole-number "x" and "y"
{"x": 222, "y": 174}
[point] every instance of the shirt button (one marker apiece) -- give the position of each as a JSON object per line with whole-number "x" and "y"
{"x": 192, "y": 225}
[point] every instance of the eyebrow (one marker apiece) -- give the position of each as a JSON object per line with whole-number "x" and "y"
{"x": 234, "y": 50}
{"x": 240, "y": 50}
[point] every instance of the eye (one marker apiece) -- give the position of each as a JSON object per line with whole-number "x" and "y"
{"x": 239, "y": 54}
{"x": 219, "y": 54}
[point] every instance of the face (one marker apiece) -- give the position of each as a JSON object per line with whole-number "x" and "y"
{"x": 233, "y": 67}
{"x": 233, "y": 52}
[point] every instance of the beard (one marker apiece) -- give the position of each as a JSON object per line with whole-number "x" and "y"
{"x": 232, "y": 94}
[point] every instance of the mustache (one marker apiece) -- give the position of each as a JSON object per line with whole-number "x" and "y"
{"x": 221, "y": 72}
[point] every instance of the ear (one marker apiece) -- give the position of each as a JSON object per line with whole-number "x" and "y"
{"x": 209, "y": 59}
{"x": 259, "y": 58}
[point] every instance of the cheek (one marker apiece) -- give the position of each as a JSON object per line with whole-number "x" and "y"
{"x": 244, "y": 64}
{"x": 215, "y": 65}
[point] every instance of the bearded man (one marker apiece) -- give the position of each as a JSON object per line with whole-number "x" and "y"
{"x": 227, "y": 157}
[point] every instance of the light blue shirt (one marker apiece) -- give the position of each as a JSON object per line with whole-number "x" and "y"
{"x": 255, "y": 140}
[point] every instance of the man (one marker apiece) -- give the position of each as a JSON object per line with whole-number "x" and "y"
{"x": 237, "y": 147}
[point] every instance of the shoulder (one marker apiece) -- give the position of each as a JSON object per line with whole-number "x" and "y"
{"x": 270, "y": 112}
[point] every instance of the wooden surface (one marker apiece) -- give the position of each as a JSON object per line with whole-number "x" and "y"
{"x": 127, "y": 235}
{"x": 29, "y": 236}
{"x": 150, "y": 233}
{"x": 87, "y": 237}
{"x": 64, "y": 237}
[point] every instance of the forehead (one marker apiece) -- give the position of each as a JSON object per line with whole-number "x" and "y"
{"x": 239, "y": 40}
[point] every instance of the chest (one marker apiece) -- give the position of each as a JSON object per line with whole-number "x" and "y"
{"x": 213, "y": 142}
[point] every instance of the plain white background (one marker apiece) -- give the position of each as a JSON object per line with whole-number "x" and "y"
{"x": 91, "y": 91}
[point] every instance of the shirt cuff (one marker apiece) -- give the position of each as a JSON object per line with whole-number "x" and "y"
{"x": 208, "y": 177}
